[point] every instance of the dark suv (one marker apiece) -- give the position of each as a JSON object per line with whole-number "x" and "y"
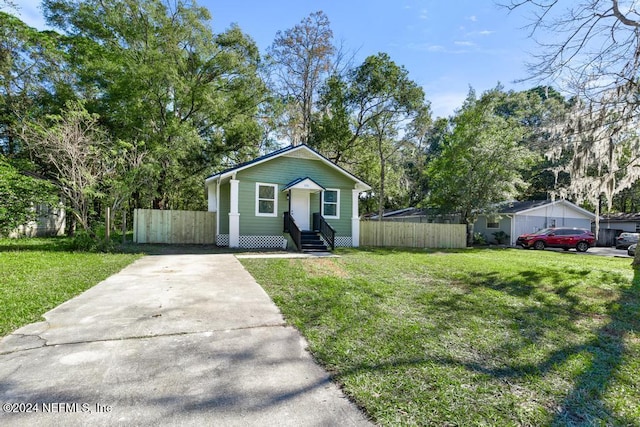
{"x": 624, "y": 240}
{"x": 565, "y": 238}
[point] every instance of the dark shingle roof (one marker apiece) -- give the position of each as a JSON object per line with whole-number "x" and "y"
{"x": 515, "y": 206}
{"x": 621, "y": 217}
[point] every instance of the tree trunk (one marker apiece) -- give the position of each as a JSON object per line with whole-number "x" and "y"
{"x": 597, "y": 227}
{"x": 381, "y": 195}
{"x": 469, "y": 224}
{"x": 469, "y": 234}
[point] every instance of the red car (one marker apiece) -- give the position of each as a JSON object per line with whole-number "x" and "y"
{"x": 565, "y": 238}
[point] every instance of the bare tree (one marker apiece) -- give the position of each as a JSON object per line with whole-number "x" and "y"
{"x": 589, "y": 49}
{"x": 78, "y": 151}
{"x": 592, "y": 50}
{"x": 604, "y": 149}
{"x": 9, "y": 4}
{"x": 302, "y": 55}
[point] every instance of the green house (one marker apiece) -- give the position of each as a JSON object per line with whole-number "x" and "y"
{"x": 293, "y": 197}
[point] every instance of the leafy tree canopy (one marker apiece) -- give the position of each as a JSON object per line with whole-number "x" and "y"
{"x": 482, "y": 158}
{"x": 20, "y": 194}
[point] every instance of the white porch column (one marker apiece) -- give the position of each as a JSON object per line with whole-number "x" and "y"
{"x": 234, "y": 216}
{"x": 212, "y": 199}
{"x": 355, "y": 218}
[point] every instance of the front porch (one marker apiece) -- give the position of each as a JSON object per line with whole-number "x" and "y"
{"x": 321, "y": 239}
{"x": 306, "y": 226}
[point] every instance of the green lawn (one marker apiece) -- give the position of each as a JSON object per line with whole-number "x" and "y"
{"x": 36, "y": 275}
{"x": 470, "y": 337}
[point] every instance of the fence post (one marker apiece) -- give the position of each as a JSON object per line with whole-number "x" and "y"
{"x": 124, "y": 226}
{"x": 135, "y": 226}
{"x": 108, "y": 224}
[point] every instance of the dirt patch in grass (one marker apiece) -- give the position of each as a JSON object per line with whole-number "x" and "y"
{"x": 322, "y": 267}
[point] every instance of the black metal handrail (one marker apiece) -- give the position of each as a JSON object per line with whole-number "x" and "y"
{"x": 325, "y": 229}
{"x": 291, "y": 227}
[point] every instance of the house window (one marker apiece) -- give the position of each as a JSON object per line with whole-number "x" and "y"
{"x": 331, "y": 203}
{"x": 493, "y": 222}
{"x": 266, "y": 199}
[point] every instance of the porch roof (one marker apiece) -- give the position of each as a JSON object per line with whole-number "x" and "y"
{"x": 305, "y": 183}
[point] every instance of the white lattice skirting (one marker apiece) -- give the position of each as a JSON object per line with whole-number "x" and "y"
{"x": 255, "y": 242}
{"x": 340, "y": 241}
{"x": 271, "y": 242}
{"x": 263, "y": 242}
{"x": 344, "y": 241}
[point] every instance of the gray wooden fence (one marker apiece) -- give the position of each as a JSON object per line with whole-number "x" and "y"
{"x": 174, "y": 227}
{"x": 412, "y": 235}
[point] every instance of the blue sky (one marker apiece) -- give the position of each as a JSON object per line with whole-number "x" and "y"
{"x": 447, "y": 46}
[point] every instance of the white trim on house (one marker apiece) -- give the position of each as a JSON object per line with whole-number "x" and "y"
{"x": 212, "y": 199}
{"x": 493, "y": 220}
{"x": 258, "y": 199}
{"x": 305, "y": 184}
{"x": 556, "y": 202}
{"x": 217, "y": 208}
{"x": 234, "y": 214}
{"x": 355, "y": 218}
{"x": 337, "y": 203}
{"x": 360, "y": 185}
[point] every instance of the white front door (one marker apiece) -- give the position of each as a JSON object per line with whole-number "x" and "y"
{"x": 300, "y": 208}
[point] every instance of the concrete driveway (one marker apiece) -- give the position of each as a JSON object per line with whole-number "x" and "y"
{"x": 170, "y": 340}
{"x": 605, "y": 251}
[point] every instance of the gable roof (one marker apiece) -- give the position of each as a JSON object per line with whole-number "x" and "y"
{"x": 305, "y": 183}
{"x": 303, "y": 150}
{"x": 519, "y": 208}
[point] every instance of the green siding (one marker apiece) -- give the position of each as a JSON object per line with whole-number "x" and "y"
{"x": 343, "y": 225}
{"x": 225, "y": 195}
{"x": 282, "y": 171}
{"x": 314, "y": 203}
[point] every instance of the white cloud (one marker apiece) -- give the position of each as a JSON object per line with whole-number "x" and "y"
{"x": 435, "y": 48}
{"x": 444, "y": 104}
{"x": 30, "y": 13}
{"x": 424, "y": 14}
{"x": 426, "y": 47}
{"x": 464, "y": 43}
{"x": 482, "y": 33}
{"x": 473, "y": 18}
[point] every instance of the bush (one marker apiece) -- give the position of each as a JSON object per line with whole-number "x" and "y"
{"x": 501, "y": 237}
{"x": 479, "y": 239}
{"x": 84, "y": 242}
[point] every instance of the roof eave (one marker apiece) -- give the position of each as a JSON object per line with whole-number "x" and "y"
{"x": 563, "y": 201}
{"x": 359, "y": 184}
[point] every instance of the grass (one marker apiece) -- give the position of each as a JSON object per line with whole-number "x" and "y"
{"x": 471, "y": 337}
{"x": 37, "y": 275}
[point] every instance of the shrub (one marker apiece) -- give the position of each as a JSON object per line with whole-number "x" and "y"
{"x": 479, "y": 239}
{"x": 501, "y": 237}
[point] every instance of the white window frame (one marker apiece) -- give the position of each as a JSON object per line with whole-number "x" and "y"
{"x": 337, "y": 203}
{"x": 493, "y": 220}
{"x": 275, "y": 199}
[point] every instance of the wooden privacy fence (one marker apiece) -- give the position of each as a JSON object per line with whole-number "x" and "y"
{"x": 412, "y": 235}
{"x": 175, "y": 227}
